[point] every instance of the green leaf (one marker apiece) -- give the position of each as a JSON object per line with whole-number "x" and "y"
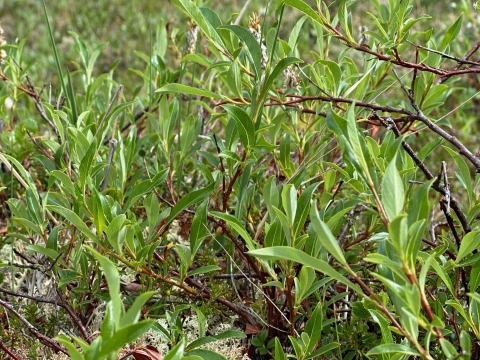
{"x": 74, "y": 219}
{"x": 116, "y": 232}
{"x": 322, "y": 350}
{"x": 271, "y": 196}
{"x": 198, "y": 231}
{"x": 233, "y": 222}
{"x": 393, "y": 348}
{"x": 475, "y": 277}
{"x": 303, "y": 207}
{"x": 124, "y": 336}
{"x": 251, "y": 43}
{"x": 190, "y": 199}
{"x": 177, "y": 352}
{"x": 25, "y": 174}
{"x": 288, "y": 253}
{"x": 86, "y": 164}
{"x": 314, "y": 326}
{"x": 392, "y": 191}
{"x": 113, "y": 280}
{"x": 452, "y": 32}
{"x": 325, "y": 235}
{"x": 279, "y": 353}
{"x": 189, "y": 8}
{"x": 464, "y": 172}
{"x": 204, "y": 270}
{"x": 144, "y": 187}
{"x": 52, "y": 254}
{"x": 72, "y": 350}
{"x": 440, "y": 270}
{"x": 189, "y": 90}
{"x": 289, "y": 201}
{"x": 133, "y": 314}
{"x": 282, "y": 65}
{"x": 342, "y": 18}
{"x": 33, "y": 208}
{"x": 246, "y": 129}
{"x": 304, "y": 8}
{"x": 380, "y": 320}
{"x": 470, "y": 242}
{"x": 206, "y": 354}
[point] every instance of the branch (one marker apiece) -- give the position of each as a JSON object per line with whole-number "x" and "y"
{"x": 42, "y": 338}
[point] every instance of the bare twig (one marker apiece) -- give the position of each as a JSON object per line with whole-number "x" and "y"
{"x": 42, "y": 338}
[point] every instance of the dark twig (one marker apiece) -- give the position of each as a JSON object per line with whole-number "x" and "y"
{"x": 42, "y": 338}
{"x": 452, "y": 139}
{"x": 428, "y": 174}
{"x": 446, "y": 56}
{"x": 7, "y": 351}
{"x": 62, "y": 304}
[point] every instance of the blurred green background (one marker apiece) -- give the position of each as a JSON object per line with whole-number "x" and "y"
{"x": 125, "y": 25}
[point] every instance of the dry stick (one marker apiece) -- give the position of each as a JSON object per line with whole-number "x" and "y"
{"x": 453, "y": 203}
{"x": 42, "y": 338}
{"x": 62, "y": 304}
{"x": 467, "y": 56}
{"x": 9, "y": 353}
{"x": 446, "y": 56}
{"x": 36, "y": 98}
{"x": 452, "y": 139}
{"x": 242, "y": 12}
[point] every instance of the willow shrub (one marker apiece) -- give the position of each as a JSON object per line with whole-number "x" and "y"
{"x": 312, "y": 171}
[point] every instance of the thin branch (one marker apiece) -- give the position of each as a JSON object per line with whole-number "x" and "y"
{"x": 42, "y": 338}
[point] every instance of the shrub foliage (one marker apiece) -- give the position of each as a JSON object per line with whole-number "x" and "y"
{"x": 311, "y": 172}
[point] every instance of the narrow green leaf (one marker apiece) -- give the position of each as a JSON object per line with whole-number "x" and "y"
{"x": 440, "y": 270}
{"x": 303, "y": 208}
{"x": 322, "y": 350}
{"x": 133, "y": 314}
{"x": 246, "y": 129}
{"x": 470, "y": 242}
{"x": 393, "y": 348}
{"x": 113, "y": 280}
{"x": 251, "y": 43}
{"x": 464, "y": 172}
{"x": 204, "y": 270}
{"x": 189, "y": 8}
{"x": 282, "y": 65}
{"x": 74, "y": 219}
{"x": 190, "y": 199}
{"x": 144, "y": 187}
{"x": 52, "y": 254}
{"x": 314, "y": 326}
{"x": 289, "y": 202}
{"x": 288, "y": 253}
{"x": 124, "y": 336}
{"x": 177, "y": 352}
{"x": 233, "y": 222}
{"x": 325, "y": 235}
{"x": 86, "y": 164}
{"x": 306, "y": 9}
{"x": 198, "y": 231}
{"x": 393, "y": 194}
{"x": 189, "y": 90}
{"x": 452, "y": 32}
{"x": 25, "y": 174}
{"x": 475, "y": 277}
{"x": 206, "y": 354}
